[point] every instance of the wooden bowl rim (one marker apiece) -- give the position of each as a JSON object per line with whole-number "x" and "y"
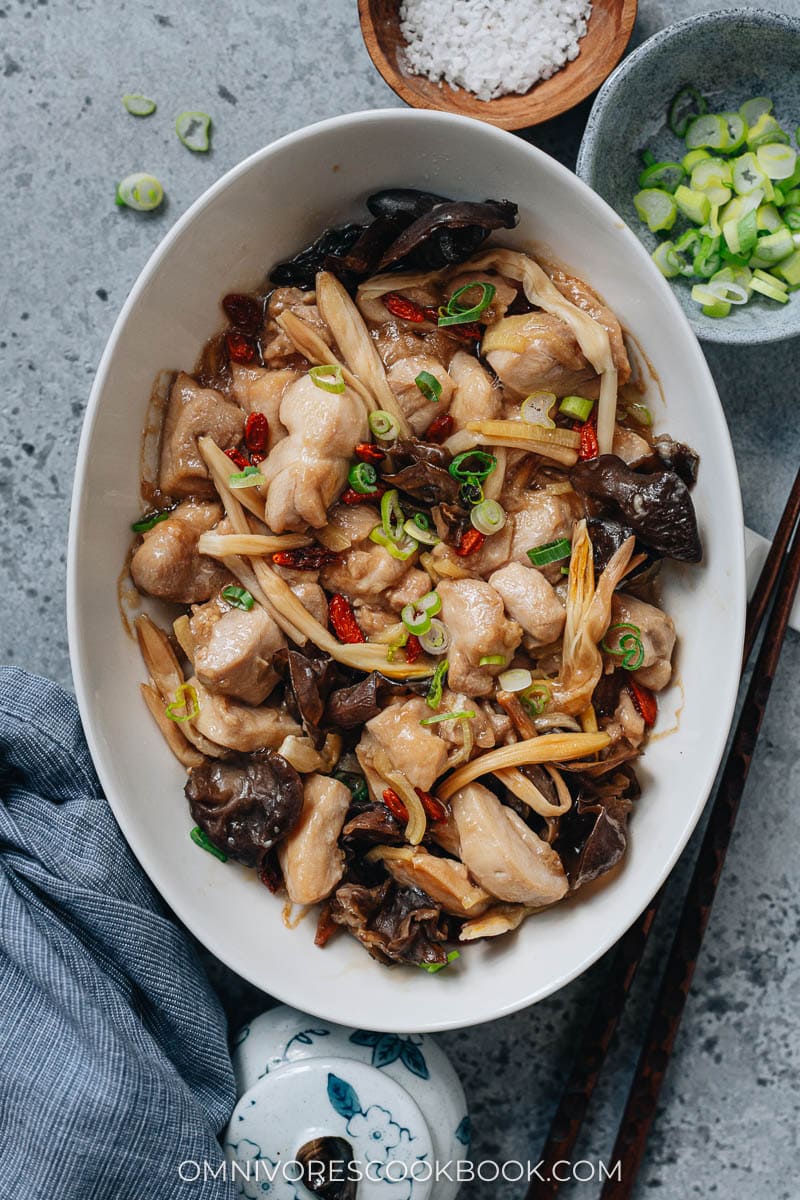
{"x": 507, "y": 112}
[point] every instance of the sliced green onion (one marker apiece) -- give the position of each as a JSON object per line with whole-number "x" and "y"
{"x": 193, "y": 129}
{"x": 239, "y": 597}
{"x": 770, "y": 279}
{"x": 777, "y": 161}
{"x": 771, "y": 292}
{"x": 249, "y": 477}
{"x": 789, "y": 269}
{"x": 576, "y": 406}
{"x": 640, "y": 413}
{"x": 741, "y": 236}
{"x": 647, "y": 157}
{"x": 694, "y": 205}
{"x": 138, "y": 105}
{"x": 462, "y": 715}
{"x": 147, "y": 523}
{"x": 708, "y": 130}
{"x": 455, "y": 314}
{"x": 422, "y": 534}
{"x": 416, "y": 621}
{"x": 363, "y": 478}
{"x": 470, "y": 493}
{"x": 775, "y": 246}
{"x": 791, "y": 215}
{"x": 434, "y": 696}
{"x": 140, "y": 192}
{"x": 765, "y": 131}
{"x": 431, "y": 603}
{"x": 536, "y": 698}
{"x": 537, "y": 409}
{"x": 434, "y": 968}
{"x": 392, "y": 515}
{"x": 488, "y": 517}
{"x": 686, "y": 105}
{"x": 736, "y": 131}
{"x": 492, "y": 660}
{"x": 328, "y": 377}
{"x": 399, "y": 642}
{"x": 708, "y": 258}
{"x": 401, "y": 549}
{"x": 475, "y": 463}
{"x": 747, "y": 174}
{"x": 383, "y": 424}
{"x": 429, "y": 386}
{"x": 436, "y": 639}
{"x": 186, "y": 699}
{"x": 690, "y": 160}
{"x": 201, "y": 839}
{"x": 666, "y": 175}
{"x": 515, "y": 681}
{"x": 629, "y": 647}
{"x": 728, "y": 291}
{"x": 667, "y": 260}
{"x": 751, "y": 110}
{"x": 550, "y": 552}
{"x": 656, "y": 208}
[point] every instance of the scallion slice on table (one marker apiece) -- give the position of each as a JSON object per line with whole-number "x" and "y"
{"x": 656, "y": 208}
{"x": 138, "y": 105}
{"x": 550, "y": 552}
{"x": 140, "y": 191}
{"x": 194, "y": 130}
{"x": 664, "y": 175}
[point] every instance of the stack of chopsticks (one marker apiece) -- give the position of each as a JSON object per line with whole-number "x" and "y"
{"x": 777, "y": 585}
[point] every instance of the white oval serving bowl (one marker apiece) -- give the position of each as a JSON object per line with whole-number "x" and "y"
{"x": 264, "y": 210}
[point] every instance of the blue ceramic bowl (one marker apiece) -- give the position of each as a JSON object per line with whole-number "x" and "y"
{"x": 729, "y": 56}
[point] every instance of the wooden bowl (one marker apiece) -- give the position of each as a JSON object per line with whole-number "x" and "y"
{"x": 601, "y": 48}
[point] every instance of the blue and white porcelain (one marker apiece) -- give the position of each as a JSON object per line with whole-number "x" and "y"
{"x": 396, "y": 1094}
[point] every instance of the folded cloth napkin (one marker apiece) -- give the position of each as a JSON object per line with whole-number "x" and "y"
{"x": 114, "y": 1068}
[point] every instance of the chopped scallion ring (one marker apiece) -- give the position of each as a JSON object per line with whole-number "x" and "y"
{"x": 416, "y": 621}
{"x": 455, "y": 314}
{"x": 383, "y": 424}
{"x": 536, "y": 698}
{"x": 363, "y": 478}
{"x": 201, "y": 839}
{"x": 629, "y": 647}
{"x": 772, "y": 293}
{"x": 138, "y": 105}
{"x": 640, "y": 413}
{"x": 434, "y": 968}
{"x": 147, "y": 523}
{"x": 488, "y": 517}
{"x": 328, "y": 377}
{"x": 475, "y": 463}
{"x": 577, "y": 407}
{"x": 537, "y": 409}
{"x": 463, "y": 715}
{"x": 401, "y": 549}
{"x": 193, "y": 129}
{"x": 392, "y": 515}
{"x": 515, "y": 681}
{"x": 185, "y": 699}
{"x": 431, "y": 603}
{"x": 656, "y": 208}
{"x": 751, "y": 110}
{"x": 422, "y": 533}
{"x": 550, "y": 552}
{"x": 492, "y": 660}
{"x": 249, "y": 477}
{"x": 238, "y": 597}
{"x": 429, "y": 386}
{"x": 436, "y": 639}
{"x": 141, "y": 192}
{"x": 434, "y": 697}
{"x": 666, "y": 175}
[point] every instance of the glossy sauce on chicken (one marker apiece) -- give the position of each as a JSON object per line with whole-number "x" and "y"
{"x": 410, "y": 518}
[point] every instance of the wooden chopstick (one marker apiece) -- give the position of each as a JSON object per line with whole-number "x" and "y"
{"x": 593, "y": 1048}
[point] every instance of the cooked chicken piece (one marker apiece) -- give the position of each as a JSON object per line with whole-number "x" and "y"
{"x": 537, "y": 351}
{"x": 277, "y": 344}
{"x": 194, "y": 412}
{"x": 444, "y": 880}
{"x": 657, "y": 634}
{"x": 373, "y": 621}
{"x": 494, "y": 553}
{"x": 502, "y": 918}
{"x": 505, "y": 294}
{"x": 233, "y": 650}
{"x": 239, "y": 726}
{"x": 481, "y": 726}
{"x": 412, "y": 748}
{"x": 541, "y": 519}
{"x": 627, "y": 721}
{"x": 367, "y": 571}
{"x": 259, "y": 390}
{"x": 410, "y": 587}
{"x": 419, "y": 409}
{"x": 502, "y": 853}
{"x": 531, "y": 600}
{"x": 167, "y": 564}
{"x": 474, "y": 616}
{"x": 281, "y": 298}
{"x": 310, "y": 858}
{"x": 475, "y": 397}
{"x": 582, "y": 296}
{"x": 629, "y": 446}
{"x": 312, "y": 597}
{"x": 307, "y": 469}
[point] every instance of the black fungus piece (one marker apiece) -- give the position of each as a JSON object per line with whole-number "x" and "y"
{"x": 607, "y": 535}
{"x": 374, "y": 825}
{"x": 246, "y": 805}
{"x": 362, "y": 259}
{"x": 593, "y": 835}
{"x": 421, "y": 471}
{"x": 351, "y": 707}
{"x": 301, "y": 270}
{"x": 448, "y": 233}
{"x": 678, "y": 457}
{"x": 656, "y": 505}
{"x": 309, "y": 681}
{"x": 406, "y": 204}
{"x": 394, "y": 924}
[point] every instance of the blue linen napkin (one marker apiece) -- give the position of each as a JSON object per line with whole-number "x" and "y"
{"x": 114, "y": 1067}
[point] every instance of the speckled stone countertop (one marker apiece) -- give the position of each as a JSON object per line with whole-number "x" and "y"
{"x": 730, "y": 1108}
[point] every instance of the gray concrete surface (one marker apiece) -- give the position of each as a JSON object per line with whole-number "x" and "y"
{"x": 728, "y": 1123}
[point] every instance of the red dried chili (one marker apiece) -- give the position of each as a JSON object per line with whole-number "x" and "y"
{"x": 245, "y": 312}
{"x": 471, "y": 540}
{"x": 644, "y": 702}
{"x": 351, "y": 496}
{"x": 241, "y": 347}
{"x": 369, "y": 453}
{"x": 237, "y": 458}
{"x": 440, "y": 428}
{"x": 395, "y": 805}
{"x": 413, "y": 648}
{"x": 434, "y": 809}
{"x": 343, "y": 620}
{"x": 305, "y": 558}
{"x": 588, "y": 447}
{"x": 326, "y": 927}
{"x": 256, "y": 432}
{"x": 270, "y": 872}
{"x": 405, "y": 309}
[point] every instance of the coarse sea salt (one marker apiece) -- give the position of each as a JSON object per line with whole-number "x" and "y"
{"x": 491, "y": 47}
